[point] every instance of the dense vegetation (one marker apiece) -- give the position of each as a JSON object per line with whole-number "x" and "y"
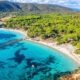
{"x": 61, "y": 28}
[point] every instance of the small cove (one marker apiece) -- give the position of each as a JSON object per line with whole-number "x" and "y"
{"x": 17, "y": 60}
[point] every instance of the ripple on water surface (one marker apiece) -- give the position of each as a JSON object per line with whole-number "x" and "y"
{"x": 26, "y": 60}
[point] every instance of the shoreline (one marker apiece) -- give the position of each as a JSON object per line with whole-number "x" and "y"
{"x": 66, "y": 49}
{"x": 61, "y": 49}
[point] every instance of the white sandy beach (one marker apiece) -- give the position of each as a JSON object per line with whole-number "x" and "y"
{"x": 66, "y": 49}
{"x": 15, "y": 30}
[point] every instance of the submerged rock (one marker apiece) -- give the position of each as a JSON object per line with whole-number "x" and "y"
{"x": 18, "y": 57}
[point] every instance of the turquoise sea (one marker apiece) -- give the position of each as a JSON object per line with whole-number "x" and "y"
{"x": 25, "y": 60}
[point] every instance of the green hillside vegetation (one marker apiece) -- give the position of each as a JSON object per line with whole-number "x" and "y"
{"x": 61, "y": 28}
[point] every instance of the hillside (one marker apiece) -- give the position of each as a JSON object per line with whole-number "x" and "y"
{"x": 6, "y": 6}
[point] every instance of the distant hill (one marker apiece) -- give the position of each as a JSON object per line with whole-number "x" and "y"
{"x": 6, "y": 6}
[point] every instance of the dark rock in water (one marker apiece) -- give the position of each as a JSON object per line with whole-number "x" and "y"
{"x": 34, "y": 62}
{"x": 34, "y": 74}
{"x": 28, "y": 62}
{"x": 17, "y": 53}
{"x": 2, "y": 64}
{"x": 18, "y": 57}
{"x": 49, "y": 60}
{"x": 46, "y": 70}
{"x": 26, "y": 67}
{"x": 28, "y": 72}
{"x": 59, "y": 74}
{"x": 41, "y": 69}
{"x": 39, "y": 66}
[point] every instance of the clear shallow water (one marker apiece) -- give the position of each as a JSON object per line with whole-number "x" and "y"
{"x": 17, "y": 60}
{"x": 6, "y": 36}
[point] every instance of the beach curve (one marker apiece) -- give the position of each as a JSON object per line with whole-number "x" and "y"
{"x": 65, "y": 49}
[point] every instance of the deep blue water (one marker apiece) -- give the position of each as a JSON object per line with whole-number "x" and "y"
{"x": 26, "y": 60}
